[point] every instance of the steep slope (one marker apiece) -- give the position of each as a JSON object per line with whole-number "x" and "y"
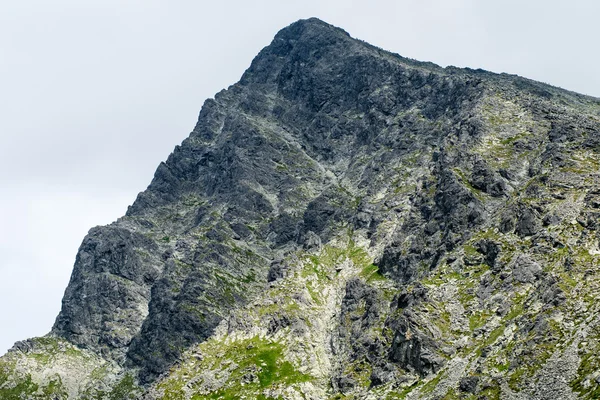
{"x": 345, "y": 223}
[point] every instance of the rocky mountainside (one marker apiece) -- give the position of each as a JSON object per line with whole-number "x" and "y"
{"x": 345, "y": 223}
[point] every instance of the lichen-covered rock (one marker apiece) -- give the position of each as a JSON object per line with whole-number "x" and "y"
{"x": 345, "y": 223}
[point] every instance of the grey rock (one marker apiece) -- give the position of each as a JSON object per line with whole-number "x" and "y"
{"x": 277, "y": 271}
{"x": 326, "y": 139}
{"x": 483, "y": 178}
{"x": 469, "y": 384}
{"x": 413, "y": 350}
{"x": 525, "y": 270}
{"x": 528, "y": 223}
{"x": 408, "y": 299}
{"x": 112, "y": 278}
{"x": 490, "y": 250}
{"x": 312, "y": 241}
{"x": 382, "y": 375}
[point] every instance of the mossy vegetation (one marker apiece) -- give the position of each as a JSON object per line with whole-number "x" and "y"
{"x": 23, "y": 388}
{"x": 126, "y": 389}
{"x": 478, "y": 319}
{"x": 256, "y": 366}
{"x": 248, "y": 368}
{"x": 374, "y": 157}
{"x": 32, "y": 374}
{"x": 329, "y": 261}
{"x": 586, "y": 384}
{"x": 429, "y": 386}
{"x": 466, "y": 183}
{"x": 18, "y": 386}
{"x": 371, "y": 273}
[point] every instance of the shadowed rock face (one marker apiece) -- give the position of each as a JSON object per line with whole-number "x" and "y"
{"x": 394, "y": 225}
{"x": 109, "y": 289}
{"x": 273, "y": 148}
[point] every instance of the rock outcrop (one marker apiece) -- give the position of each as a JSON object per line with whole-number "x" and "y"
{"x": 345, "y": 223}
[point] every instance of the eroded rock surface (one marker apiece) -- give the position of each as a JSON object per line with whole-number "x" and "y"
{"x": 345, "y": 223}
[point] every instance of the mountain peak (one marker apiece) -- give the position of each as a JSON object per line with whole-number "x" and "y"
{"x": 299, "y": 42}
{"x": 345, "y": 223}
{"x": 310, "y": 25}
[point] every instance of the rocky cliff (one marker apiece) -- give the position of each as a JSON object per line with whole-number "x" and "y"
{"x": 345, "y": 223}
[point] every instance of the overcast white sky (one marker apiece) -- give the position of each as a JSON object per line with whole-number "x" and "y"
{"x": 94, "y": 94}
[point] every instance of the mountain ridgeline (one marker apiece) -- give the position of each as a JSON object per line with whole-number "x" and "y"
{"x": 345, "y": 223}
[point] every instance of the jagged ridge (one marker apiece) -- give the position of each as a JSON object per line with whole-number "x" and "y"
{"x": 362, "y": 225}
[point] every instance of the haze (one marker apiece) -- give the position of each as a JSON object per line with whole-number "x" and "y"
{"x": 95, "y": 94}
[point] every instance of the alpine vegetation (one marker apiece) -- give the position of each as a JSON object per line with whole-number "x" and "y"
{"x": 345, "y": 223}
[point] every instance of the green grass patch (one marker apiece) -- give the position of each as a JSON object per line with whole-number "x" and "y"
{"x": 262, "y": 359}
{"x": 478, "y": 319}
{"x": 432, "y": 384}
{"x": 588, "y": 389}
{"x": 371, "y": 273}
{"x": 24, "y": 388}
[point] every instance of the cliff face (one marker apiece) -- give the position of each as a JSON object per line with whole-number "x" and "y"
{"x": 345, "y": 223}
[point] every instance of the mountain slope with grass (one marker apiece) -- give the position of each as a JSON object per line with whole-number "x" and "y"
{"x": 345, "y": 223}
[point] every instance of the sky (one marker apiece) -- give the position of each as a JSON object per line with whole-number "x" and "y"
{"x": 95, "y": 94}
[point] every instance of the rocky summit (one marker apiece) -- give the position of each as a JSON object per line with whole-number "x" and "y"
{"x": 345, "y": 223}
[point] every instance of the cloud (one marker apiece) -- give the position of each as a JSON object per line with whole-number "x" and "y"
{"x": 95, "y": 94}
{"x": 42, "y": 226}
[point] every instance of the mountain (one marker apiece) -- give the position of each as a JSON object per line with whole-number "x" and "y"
{"x": 345, "y": 223}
